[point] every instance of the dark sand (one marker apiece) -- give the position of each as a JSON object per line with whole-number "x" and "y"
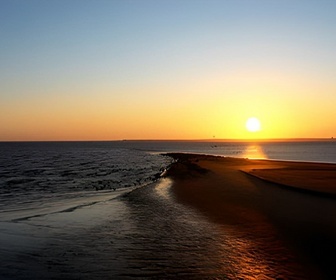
{"x": 285, "y": 210}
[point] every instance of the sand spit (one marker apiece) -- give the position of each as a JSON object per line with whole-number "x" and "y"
{"x": 291, "y": 230}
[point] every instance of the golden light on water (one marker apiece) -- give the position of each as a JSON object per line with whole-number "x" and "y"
{"x": 254, "y": 151}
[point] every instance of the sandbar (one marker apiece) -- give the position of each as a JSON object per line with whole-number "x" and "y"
{"x": 284, "y": 209}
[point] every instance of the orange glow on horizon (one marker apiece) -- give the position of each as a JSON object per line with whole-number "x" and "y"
{"x": 200, "y": 111}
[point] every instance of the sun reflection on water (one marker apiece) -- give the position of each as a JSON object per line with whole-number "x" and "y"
{"x": 254, "y": 151}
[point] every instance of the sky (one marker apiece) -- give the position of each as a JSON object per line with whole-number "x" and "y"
{"x": 186, "y": 69}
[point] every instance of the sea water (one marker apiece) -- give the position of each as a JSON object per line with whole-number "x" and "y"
{"x": 77, "y": 209}
{"x": 33, "y": 174}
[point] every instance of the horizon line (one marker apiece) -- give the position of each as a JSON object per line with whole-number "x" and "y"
{"x": 182, "y": 140}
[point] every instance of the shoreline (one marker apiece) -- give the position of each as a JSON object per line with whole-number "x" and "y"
{"x": 206, "y": 220}
{"x": 279, "y": 222}
{"x": 301, "y": 176}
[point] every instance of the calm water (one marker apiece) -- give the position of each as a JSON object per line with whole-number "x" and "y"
{"x": 74, "y": 210}
{"x": 35, "y": 174}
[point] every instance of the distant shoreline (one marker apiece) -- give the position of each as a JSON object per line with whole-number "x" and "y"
{"x": 331, "y": 139}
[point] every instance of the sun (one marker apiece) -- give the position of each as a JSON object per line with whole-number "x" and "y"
{"x": 253, "y": 125}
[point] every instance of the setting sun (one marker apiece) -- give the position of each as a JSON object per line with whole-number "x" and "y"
{"x": 253, "y": 125}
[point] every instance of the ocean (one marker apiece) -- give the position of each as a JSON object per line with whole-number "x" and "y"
{"x": 99, "y": 210}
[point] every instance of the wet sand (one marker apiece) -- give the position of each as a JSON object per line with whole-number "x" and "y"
{"x": 144, "y": 234}
{"x": 284, "y": 211}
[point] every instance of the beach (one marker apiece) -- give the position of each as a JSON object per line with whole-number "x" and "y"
{"x": 282, "y": 213}
{"x": 206, "y": 217}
